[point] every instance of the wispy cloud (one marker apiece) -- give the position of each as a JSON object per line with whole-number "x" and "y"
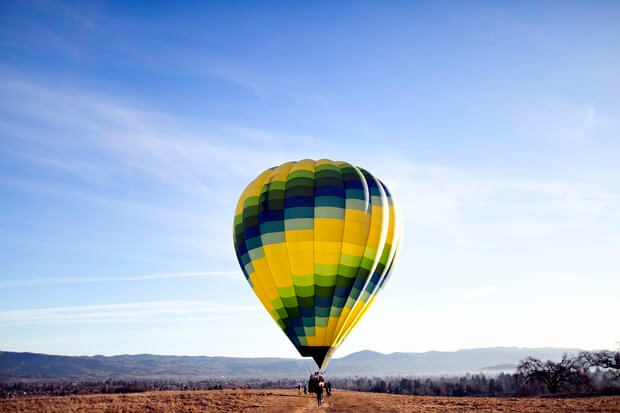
{"x": 85, "y": 280}
{"x": 474, "y": 205}
{"x": 128, "y": 312}
{"x": 179, "y": 151}
{"x": 95, "y": 150}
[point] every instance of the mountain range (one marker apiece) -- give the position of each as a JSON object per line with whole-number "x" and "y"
{"x": 43, "y": 367}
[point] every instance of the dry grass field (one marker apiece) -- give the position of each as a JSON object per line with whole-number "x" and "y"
{"x": 373, "y": 402}
{"x": 288, "y": 401}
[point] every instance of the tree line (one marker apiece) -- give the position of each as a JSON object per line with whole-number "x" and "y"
{"x": 588, "y": 373}
{"x": 10, "y": 390}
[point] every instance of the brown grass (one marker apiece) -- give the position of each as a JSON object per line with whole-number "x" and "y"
{"x": 281, "y": 401}
{"x": 164, "y": 402}
{"x": 372, "y": 402}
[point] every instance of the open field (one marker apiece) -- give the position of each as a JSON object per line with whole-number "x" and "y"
{"x": 288, "y": 401}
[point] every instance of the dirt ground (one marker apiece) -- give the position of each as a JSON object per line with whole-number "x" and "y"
{"x": 373, "y": 402}
{"x": 287, "y": 401}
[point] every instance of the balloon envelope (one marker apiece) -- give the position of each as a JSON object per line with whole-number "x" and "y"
{"x": 316, "y": 240}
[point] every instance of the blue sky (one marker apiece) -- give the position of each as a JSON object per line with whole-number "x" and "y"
{"x": 127, "y": 133}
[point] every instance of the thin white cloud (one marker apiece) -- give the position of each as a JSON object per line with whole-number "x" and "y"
{"x": 451, "y": 202}
{"x": 180, "y": 152}
{"x": 128, "y": 312}
{"x": 84, "y": 280}
{"x": 105, "y": 140}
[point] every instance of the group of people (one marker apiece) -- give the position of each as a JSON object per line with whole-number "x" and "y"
{"x": 317, "y": 385}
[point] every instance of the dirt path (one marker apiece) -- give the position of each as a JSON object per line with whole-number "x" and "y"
{"x": 311, "y": 406}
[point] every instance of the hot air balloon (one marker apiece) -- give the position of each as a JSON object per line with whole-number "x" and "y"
{"x": 316, "y": 241}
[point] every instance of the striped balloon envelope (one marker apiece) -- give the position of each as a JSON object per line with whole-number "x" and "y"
{"x": 316, "y": 240}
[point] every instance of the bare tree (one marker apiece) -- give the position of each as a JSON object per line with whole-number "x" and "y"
{"x": 569, "y": 373}
{"x": 605, "y": 359}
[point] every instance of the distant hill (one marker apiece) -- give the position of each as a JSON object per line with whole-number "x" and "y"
{"x": 441, "y": 362}
{"x": 39, "y": 367}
